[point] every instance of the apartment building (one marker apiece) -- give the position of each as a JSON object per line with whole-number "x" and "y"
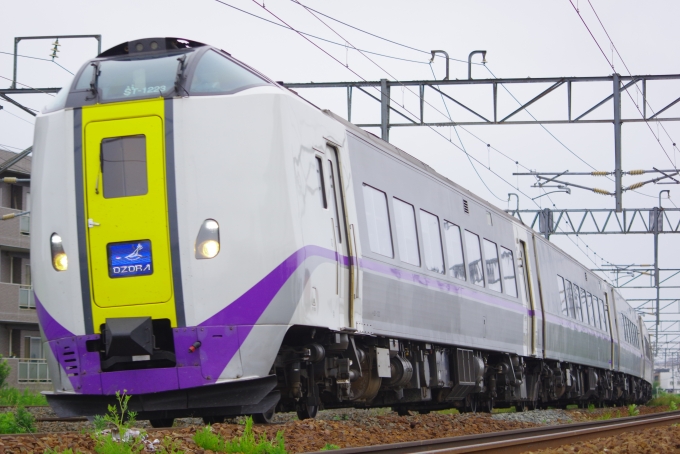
{"x": 20, "y": 339}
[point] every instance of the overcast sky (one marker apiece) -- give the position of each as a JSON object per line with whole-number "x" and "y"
{"x": 523, "y": 39}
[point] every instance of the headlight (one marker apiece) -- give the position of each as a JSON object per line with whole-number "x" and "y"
{"x": 208, "y": 240}
{"x": 59, "y": 258}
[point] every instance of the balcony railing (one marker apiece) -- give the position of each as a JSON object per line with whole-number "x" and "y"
{"x": 25, "y": 224}
{"x": 33, "y": 371}
{"x": 26, "y": 298}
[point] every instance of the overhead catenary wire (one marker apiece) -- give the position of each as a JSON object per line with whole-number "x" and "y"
{"x": 38, "y": 58}
{"x": 437, "y": 132}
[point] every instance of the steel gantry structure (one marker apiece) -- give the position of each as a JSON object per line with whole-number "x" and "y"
{"x": 620, "y": 84}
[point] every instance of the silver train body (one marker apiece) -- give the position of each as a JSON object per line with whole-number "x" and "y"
{"x": 210, "y": 243}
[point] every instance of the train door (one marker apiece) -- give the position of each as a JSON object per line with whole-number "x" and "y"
{"x": 339, "y": 225}
{"x": 525, "y": 271}
{"x": 126, "y": 208}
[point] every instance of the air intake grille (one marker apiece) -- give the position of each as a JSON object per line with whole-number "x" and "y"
{"x": 466, "y": 208}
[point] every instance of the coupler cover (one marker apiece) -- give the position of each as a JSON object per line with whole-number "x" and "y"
{"x": 128, "y": 336}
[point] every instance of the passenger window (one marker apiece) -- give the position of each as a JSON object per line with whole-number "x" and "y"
{"x": 508, "y": 269}
{"x": 217, "y": 74}
{"x": 378, "y": 222}
{"x": 570, "y": 299}
{"x": 334, "y": 199}
{"x": 563, "y": 295}
{"x": 589, "y": 308}
{"x": 454, "y": 251}
{"x": 321, "y": 186}
{"x": 407, "y": 236}
{"x": 493, "y": 271}
{"x": 474, "y": 254}
{"x": 584, "y": 306}
{"x": 604, "y": 316}
{"x": 432, "y": 242}
{"x": 577, "y": 303}
{"x": 596, "y": 311}
{"x": 123, "y": 162}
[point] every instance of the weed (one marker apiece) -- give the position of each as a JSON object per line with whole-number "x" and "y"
{"x": 591, "y": 407}
{"x": 99, "y": 423}
{"x": 19, "y": 421}
{"x": 618, "y": 413}
{"x": 330, "y": 447}
{"x": 572, "y": 407}
{"x": 673, "y": 406}
{"x": 605, "y": 416}
{"x": 449, "y": 411}
{"x": 246, "y": 443}
{"x": 633, "y": 410}
{"x": 122, "y": 419}
{"x": 664, "y": 400}
{"x": 169, "y": 447}
{"x": 12, "y": 396}
{"x": 504, "y": 410}
{"x": 65, "y": 451}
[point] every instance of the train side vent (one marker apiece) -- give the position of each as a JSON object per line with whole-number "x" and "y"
{"x": 466, "y": 208}
{"x": 463, "y": 373}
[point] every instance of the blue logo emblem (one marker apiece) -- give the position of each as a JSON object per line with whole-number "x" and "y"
{"x": 130, "y": 259}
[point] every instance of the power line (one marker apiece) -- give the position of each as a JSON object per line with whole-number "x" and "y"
{"x": 22, "y": 119}
{"x": 27, "y": 86}
{"x": 38, "y": 58}
{"x": 611, "y": 64}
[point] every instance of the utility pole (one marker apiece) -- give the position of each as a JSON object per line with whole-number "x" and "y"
{"x": 617, "y": 143}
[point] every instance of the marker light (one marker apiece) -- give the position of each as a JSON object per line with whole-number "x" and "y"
{"x": 59, "y": 258}
{"x": 208, "y": 240}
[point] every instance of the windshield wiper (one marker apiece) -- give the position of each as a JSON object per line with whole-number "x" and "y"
{"x": 180, "y": 74}
{"x": 95, "y": 78}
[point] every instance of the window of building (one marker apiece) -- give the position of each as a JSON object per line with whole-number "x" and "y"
{"x": 508, "y": 269}
{"x": 124, "y": 166}
{"x": 563, "y": 295}
{"x": 16, "y": 197}
{"x": 432, "y": 242}
{"x": 474, "y": 253}
{"x": 378, "y": 222}
{"x": 570, "y": 298}
{"x": 493, "y": 270}
{"x": 33, "y": 347}
{"x": 15, "y": 270}
{"x": 454, "y": 250}
{"x": 407, "y": 236}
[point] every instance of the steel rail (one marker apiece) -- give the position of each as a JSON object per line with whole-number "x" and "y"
{"x": 517, "y": 441}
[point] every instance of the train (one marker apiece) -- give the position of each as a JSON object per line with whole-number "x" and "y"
{"x": 211, "y": 244}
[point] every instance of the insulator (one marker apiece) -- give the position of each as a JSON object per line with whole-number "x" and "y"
{"x": 599, "y": 173}
{"x": 636, "y": 172}
{"x": 635, "y": 186}
{"x": 601, "y": 191}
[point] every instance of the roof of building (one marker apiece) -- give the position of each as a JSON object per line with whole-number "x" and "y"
{"x": 21, "y": 167}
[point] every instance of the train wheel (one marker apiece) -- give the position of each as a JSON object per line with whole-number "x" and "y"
{"x": 305, "y": 411}
{"x": 266, "y": 417}
{"x": 213, "y": 419}
{"x": 471, "y": 403}
{"x": 162, "y": 422}
{"x": 424, "y": 412}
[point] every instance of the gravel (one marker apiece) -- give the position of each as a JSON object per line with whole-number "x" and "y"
{"x": 540, "y": 417}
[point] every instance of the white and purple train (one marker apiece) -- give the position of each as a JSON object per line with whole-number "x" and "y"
{"x": 213, "y": 245}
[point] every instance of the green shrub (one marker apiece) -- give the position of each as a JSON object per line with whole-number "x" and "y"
{"x": 330, "y": 447}
{"x": 504, "y": 410}
{"x": 12, "y": 396}
{"x": 17, "y": 422}
{"x": 591, "y": 407}
{"x": 246, "y": 443}
{"x": 664, "y": 400}
{"x": 5, "y": 370}
{"x": 673, "y": 406}
{"x": 633, "y": 410}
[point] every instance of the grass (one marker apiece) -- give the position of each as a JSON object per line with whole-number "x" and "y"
{"x": 12, "y": 396}
{"x": 665, "y": 400}
{"x": 572, "y": 407}
{"x": 633, "y": 410}
{"x": 330, "y": 447}
{"x": 504, "y": 410}
{"x": 246, "y": 443}
{"x": 449, "y": 411}
{"x": 17, "y": 422}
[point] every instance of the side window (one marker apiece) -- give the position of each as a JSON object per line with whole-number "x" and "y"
{"x": 588, "y": 305}
{"x": 563, "y": 295}
{"x": 508, "y": 268}
{"x": 432, "y": 242}
{"x": 124, "y": 166}
{"x": 570, "y": 299}
{"x": 577, "y": 302}
{"x": 584, "y": 306}
{"x": 378, "y": 222}
{"x": 598, "y": 323}
{"x": 334, "y": 201}
{"x": 407, "y": 236}
{"x": 493, "y": 271}
{"x": 605, "y": 321}
{"x": 321, "y": 186}
{"x": 454, "y": 251}
{"x": 217, "y": 74}
{"x": 474, "y": 253}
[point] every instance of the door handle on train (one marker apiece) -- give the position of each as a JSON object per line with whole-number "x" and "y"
{"x": 91, "y": 223}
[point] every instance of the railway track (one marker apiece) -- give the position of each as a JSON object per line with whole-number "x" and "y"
{"x": 517, "y": 441}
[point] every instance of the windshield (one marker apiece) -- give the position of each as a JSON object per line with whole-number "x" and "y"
{"x": 133, "y": 78}
{"x": 217, "y": 74}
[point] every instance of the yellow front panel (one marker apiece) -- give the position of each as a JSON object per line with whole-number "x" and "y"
{"x": 127, "y": 219}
